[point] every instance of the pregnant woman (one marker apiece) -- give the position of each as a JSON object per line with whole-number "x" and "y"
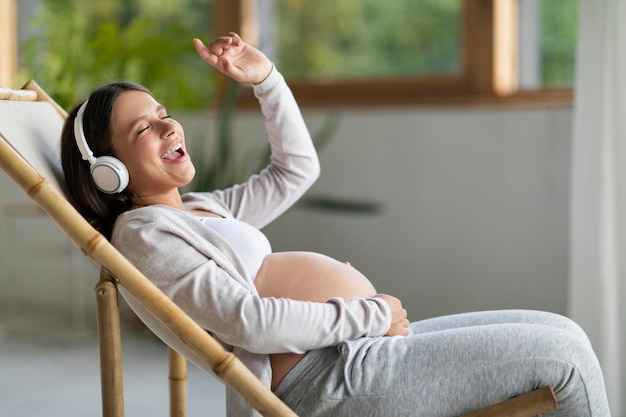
{"x": 312, "y": 328}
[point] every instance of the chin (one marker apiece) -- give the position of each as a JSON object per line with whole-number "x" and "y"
{"x": 187, "y": 181}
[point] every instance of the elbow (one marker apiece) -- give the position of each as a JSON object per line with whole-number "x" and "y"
{"x": 315, "y": 170}
{"x": 305, "y": 173}
{"x": 312, "y": 167}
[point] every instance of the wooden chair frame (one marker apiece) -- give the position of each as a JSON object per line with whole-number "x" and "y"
{"x": 110, "y": 346}
{"x": 116, "y": 270}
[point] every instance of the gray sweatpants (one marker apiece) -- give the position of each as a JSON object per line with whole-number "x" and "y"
{"x": 451, "y": 365}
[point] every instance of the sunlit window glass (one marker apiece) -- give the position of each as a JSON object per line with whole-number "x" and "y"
{"x": 341, "y": 39}
{"x": 548, "y": 31}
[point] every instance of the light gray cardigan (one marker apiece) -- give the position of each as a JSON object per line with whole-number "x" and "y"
{"x": 202, "y": 274}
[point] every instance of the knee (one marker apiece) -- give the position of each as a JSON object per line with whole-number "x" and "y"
{"x": 564, "y": 323}
{"x": 568, "y": 345}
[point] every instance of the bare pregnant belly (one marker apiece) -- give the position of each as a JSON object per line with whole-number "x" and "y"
{"x": 306, "y": 276}
{"x": 309, "y": 276}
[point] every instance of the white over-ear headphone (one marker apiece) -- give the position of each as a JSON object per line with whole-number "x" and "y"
{"x": 109, "y": 174}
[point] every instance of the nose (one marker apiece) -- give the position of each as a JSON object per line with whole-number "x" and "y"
{"x": 168, "y": 128}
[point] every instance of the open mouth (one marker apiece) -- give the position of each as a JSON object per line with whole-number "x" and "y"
{"x": 173, "y": 153}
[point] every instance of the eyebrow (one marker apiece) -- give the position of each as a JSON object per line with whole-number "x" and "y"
{"x": 134, "y": 123}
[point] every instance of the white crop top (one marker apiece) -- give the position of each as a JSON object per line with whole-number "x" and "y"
{"x": 249, "y": 242}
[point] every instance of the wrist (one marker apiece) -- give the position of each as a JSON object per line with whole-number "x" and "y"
{"x": 267, "y": 73}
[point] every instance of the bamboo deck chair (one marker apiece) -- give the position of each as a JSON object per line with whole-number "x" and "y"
{"x": 30, "y": 128}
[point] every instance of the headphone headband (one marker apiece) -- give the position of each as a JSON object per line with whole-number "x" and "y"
{"x": 79, "y": 134}
{"x": 109, "y": 174}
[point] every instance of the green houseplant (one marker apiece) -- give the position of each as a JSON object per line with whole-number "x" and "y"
{"x": 78, "y": 45}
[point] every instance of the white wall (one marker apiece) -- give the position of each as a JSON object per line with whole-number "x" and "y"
{"x": 475, "y": 206}
{"x": 474, "y": 210}
{"x": 43, "y": 276}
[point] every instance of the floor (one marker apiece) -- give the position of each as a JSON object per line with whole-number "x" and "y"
{"x": 53, "y": 371}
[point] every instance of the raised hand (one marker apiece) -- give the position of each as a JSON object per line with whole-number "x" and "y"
{"x": 232, "y": 56}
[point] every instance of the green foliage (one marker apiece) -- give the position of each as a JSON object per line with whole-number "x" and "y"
{"x": 558, "y": 42}
{"x": 331, "y": 39}
{"x": 344, "y": 38}
{"x": 80, "y": 45}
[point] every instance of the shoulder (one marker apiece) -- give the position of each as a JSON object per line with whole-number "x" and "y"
{"x": 144, "y": 223}
{"x": 149, "y": 214}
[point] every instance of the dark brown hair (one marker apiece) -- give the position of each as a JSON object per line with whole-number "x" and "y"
{"x": 98, "y": 208}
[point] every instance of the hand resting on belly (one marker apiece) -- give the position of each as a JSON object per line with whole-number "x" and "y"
{"x": 306, "y": 276}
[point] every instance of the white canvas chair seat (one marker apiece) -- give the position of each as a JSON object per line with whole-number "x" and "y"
{"x": 16, "y": 119}
{"x": 29, "y": 153}
{"x": 30, "y": 133}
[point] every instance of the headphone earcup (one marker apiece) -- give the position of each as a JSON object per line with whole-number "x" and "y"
{"x": 109, "y": 174}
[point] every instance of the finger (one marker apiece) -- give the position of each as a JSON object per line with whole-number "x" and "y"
{"x": 236, "y": 37}
{"x": 220, "y": 45}
{"x": 226, "y": 65}
{"x": 223, "y": 43}
{"x": 204, "y": 52}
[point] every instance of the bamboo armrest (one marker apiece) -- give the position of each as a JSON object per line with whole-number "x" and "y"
{"x": 22, "y": 95}
{"x": 526, "y": 405}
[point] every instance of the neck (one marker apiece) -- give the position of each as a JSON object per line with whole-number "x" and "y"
{"x": 171, "y": 200}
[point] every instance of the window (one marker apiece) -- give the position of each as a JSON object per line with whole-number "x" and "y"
{"x": 415, "y": 51}
{"x": 333, "y": 52}
{"x": 347, "y": 39}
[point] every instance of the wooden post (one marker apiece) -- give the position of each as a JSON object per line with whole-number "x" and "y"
{"x": 178, "y": 384}
{"x": 506, "y": 47}
{"x": 110, "y": 341}
{"x": 8, "y": 42}
{"x": 238, "y": 16}
{"x": 531, "y": 404}
{"x": 490, "y": 47}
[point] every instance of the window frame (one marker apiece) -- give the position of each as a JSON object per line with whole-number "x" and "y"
{"x": 489, "y": 74}
{"x": 8, "y": 41}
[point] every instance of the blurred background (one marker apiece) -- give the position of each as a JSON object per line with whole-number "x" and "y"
{"x": 443, "y": 128}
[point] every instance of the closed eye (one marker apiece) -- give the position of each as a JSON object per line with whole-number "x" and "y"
{"x": 167, "y": 116}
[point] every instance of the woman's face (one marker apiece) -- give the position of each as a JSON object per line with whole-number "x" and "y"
{"x": 151, "y": 144}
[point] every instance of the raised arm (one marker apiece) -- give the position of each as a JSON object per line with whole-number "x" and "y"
{"x": 294, "y": 163}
